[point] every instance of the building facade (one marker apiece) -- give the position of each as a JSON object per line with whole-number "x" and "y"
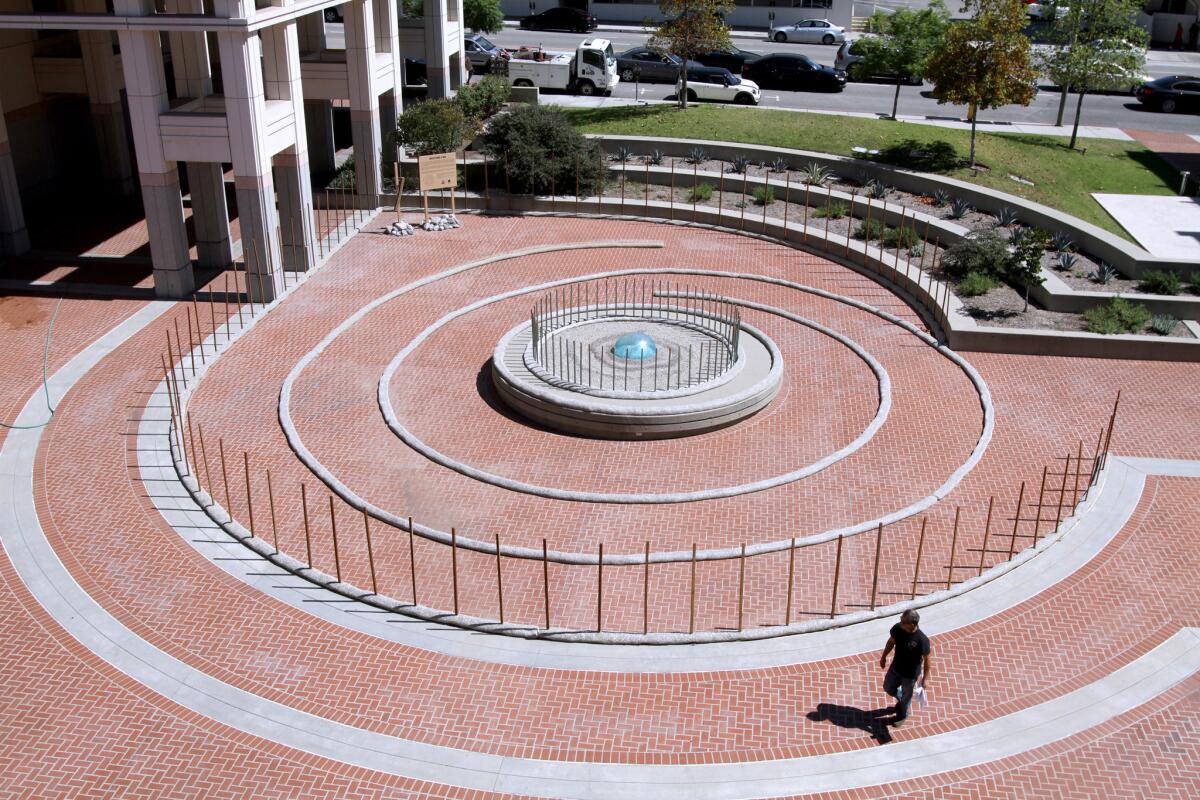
{"x": 170, "y": 97}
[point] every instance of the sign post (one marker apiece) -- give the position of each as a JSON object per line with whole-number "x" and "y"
{"x": 438, "y": 171}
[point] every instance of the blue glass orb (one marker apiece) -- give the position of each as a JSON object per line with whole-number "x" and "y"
{"x": 635, "y": 346}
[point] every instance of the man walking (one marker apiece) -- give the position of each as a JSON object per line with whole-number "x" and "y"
{"x": 910, "y": 666}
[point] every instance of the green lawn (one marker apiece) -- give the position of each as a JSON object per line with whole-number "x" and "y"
{"x": 1062, "y": 178}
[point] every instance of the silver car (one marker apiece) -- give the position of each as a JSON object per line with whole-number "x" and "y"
{"x": 481, "y": 52}
{"x": 810, "y": 31}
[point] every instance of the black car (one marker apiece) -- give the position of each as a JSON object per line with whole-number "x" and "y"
{"x": 733, "y": 59}
{"x": 1170, "y": 94}
{"x": 560, "y": 19}
{"x": 794, "y": 73}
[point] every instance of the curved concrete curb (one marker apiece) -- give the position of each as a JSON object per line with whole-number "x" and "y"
{"x": 389, "y": 414}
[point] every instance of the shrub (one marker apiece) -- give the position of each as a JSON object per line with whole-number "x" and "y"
{"x": 897, "y": 238}
{"x": 985, "y": 252}
{"x": 434, "y": 126}
{"x": 976, "y": 284}
{"x": 917, "y": 250}
{"x": 816, "y": 174}
{"x": 481, "y": 100}
{"x": 1118, "y": 315}
{"x": 876, "y": 189}
{"x": 763, "y": 195}
{"x": 1160, "y": 281}
{"x": 835, "y": 210}
{"x": 1019, "y": 235}
{"x": 655, "y": 158}
{"x": 870, "y": 229}
{"x": 959, "y": 208}
{"x": 739, "y": 164}
{"x": 345, "y": 177}
{"x": 697, "y": 156}
{"x": 1163, "y": 324}
{"x": 779, "y": 165}
{"x": 1062, "y": 242}
{"x": 1067, "y": 260}
{"x": 1006, "y": 217}
{"x": 700, "y": 193}
{"x": 1104, "y": 273}
{"x": 537, "y": 146}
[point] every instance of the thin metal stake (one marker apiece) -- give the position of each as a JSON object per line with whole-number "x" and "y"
{"x": 875, "y": 579}
{"x": 307, "y": 531}
{"x": 600, "y": 590}
{"x": 499, "y": 580}
{"x": 546, "y": 582}
{"x": 953, "y": 549}
{"x": 646, "y": 594}
{"x": 987, "y": 532}
{"x": 249, "y": 499}
{"x": 837, "y": 571}
{"x": 787, "y": 615}
{"x": 337, "y": 563}
{"x": 1012, "y": 545}
{"x": 370, "y": 554}
{"x": 917, "y": 566}
{"x": 225, "y": 476}
{"x": 412, "y": 561}
{"x": 454, "y": 566}
{"x": 741, "y": 585}
{"x": 271, "y": 505}
{"x": 692, "y": 602}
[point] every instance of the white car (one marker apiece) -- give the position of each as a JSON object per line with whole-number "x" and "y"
{"x": 715, "y": 83}
{"x": 810, "y": 31}
{"x": 1046, "y": 11}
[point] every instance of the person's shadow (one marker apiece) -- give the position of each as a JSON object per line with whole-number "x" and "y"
{"x": 872, "y": 722}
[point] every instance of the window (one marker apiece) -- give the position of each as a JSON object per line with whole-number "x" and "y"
{"x": 1187, "y": 86}
{"x": 593, "y": 58}
{"x": 812, "y": 4}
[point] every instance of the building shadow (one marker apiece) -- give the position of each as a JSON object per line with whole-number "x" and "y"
{"x": 873, "y": 722}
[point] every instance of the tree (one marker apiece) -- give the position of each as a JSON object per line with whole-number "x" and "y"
{"x": 909, "y": 38}
{"x": 1024, "y": 267}
{"x": 984, "y": 62}
{"x": 434, "y": 126}
{"x": 691, "y": 28}
{"x": 483, "y": 16}
{"x": 1094, "y": 43}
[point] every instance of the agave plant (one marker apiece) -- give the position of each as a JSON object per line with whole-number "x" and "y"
{"x": 876, "y": 189}
{"x": 779, "y": 165}
{"x": 917, "y": 250}
{"x": 1104, "y": 273}
{"x": 739, "y": 164}
{"x": 655, "y": 157}
{"x": 1018, "y": 236}
{"x": 696, "y": 155}
{"x": 1163, "y": 324}
{"x": 959, "y": 208}
{"x": 1066, "y": 261}
{"x": 816, "y": 174}
{"x": 622, "y": 154}
{"x": 941, "y": 198}
{"x": 1006, "y": 217}
{"x": 1062, "y": 243}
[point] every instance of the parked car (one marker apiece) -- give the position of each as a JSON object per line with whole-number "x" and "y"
{"x": 849, "y": 55}
{"x": 1046, "y": 11}
{"x": 481, "y": 52}
{"x": 651, "y": 66}
{"x": 1170, "y": 94}
{"x": 794, "y": 73}
{"x": 717, "y": 83}
{"x": 560, "y": 19}
{"x": 809, "y": 31}
{"x": 733, "y": 59}
{"x": 1107, "y": 77}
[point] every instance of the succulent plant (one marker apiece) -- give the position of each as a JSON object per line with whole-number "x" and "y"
{"x": 1104, "y": 273}
{"x": 1006, "y": 217}
{"x": 739, "y": 164}
{"x": 1060, "y": 242}
{"x": 655, "y": 157}
{"x": 1163, "y": 324}
{"x": 1019, "y": 235}
{"x": 1066, "y": 261}
{"x": 779, "y": 165}
{"x": 876, "y": 189}
{"x": 816, "y": 174}
{"x": 959, "y": 208}
{"x": 622, "y": 154}
{"x": 941, "y": 198}
{"x": 696, "y": 155}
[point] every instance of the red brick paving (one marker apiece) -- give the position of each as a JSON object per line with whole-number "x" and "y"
{"x": 1105, "y": 615}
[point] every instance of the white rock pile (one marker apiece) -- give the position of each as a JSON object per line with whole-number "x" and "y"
{"x": 441, "y": 223}
{"x": 399, "y": 229}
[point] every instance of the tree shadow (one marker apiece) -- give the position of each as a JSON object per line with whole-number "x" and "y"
{"x": 935, "y": 156}
{"x": 856, "y": 719}
{"x": 609, "y": 114}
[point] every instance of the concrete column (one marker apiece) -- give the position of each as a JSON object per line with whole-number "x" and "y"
{"x": 146, "y": 89}
{"x": 318, "y": 122}
{"x": 189, "y": 54}
{"x": 387, "y": 42}
{"x": 281, "y": 82}
{"x": 100, "y": 72}
{"x": 254, "y": 187}
{"x": 364, "y": 100}
{"x": 436, "y": 54}
{"x": 14, "y": 238}
{"x": 210, "y": 214}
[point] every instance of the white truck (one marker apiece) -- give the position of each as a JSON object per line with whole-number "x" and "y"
{"x": 591, "y": 69}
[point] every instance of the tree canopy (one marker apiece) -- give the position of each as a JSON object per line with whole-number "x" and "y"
{"x": 691, "y": 28}
{"x": 908, "y": 37}
{"x": 483, "y": 16}
{"x": 984, "y": 62}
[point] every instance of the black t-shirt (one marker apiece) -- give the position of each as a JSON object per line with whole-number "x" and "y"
{"x": 910, "y": 649}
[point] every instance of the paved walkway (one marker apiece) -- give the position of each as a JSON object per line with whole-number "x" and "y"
{"x": 228, "y": 652}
